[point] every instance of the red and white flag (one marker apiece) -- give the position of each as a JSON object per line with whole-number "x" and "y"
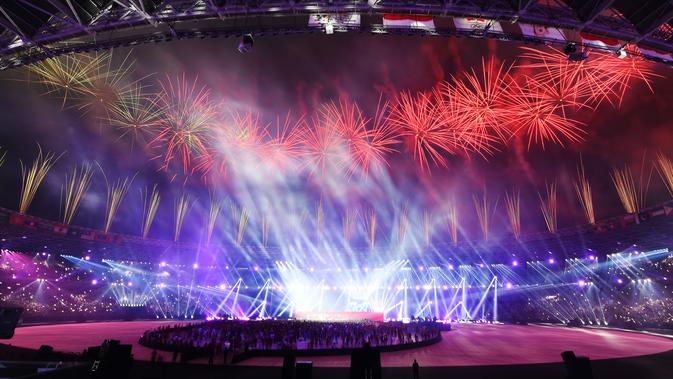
{"x": 474, "y": 23}
{"x": 540, "y": 31}
{"x": 408, "y": 21}
{"x": 589, "y": 39}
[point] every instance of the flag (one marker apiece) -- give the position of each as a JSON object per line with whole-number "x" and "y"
{"x": 588, "y": 39}
{"x": 540, "y": 31}
{"x": 408, "y": 21}
{"x": 473, "y": 23}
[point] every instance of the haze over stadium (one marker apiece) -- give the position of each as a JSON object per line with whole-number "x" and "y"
{"x": 338, "y": 175}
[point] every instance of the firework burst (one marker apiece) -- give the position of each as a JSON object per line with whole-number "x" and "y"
{"x": 108, "y": 86}
{"x": 67, "y": 75}
{"x": 539, "y": 119}
{"x": 479, "y": 101}
{"x": 185, "y": 126}
{"x": 368, "y": 141}
{"x": 418, "y": 120}
{"x": 323, "y": 149}
{"x": 135, "y": 114}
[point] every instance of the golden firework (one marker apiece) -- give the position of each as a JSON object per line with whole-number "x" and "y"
{"x": 32, "y": 177}
{"x": 513, "y": 207}
{"x": 182, "y": 206}
{"x": 150, "y": 207}
{"x": 73, "y": 190}
{"x": 548, "y": 207}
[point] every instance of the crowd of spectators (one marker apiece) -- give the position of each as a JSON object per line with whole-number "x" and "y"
{"x": 241, "y": 336}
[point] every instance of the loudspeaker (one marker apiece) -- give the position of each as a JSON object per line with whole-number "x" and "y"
{"x": 288, "y": 367}
{"x": 9, "y": 317}
{"x": 304, "y": 369}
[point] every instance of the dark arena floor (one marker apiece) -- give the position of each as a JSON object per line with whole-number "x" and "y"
{"x": 468, "y": 350}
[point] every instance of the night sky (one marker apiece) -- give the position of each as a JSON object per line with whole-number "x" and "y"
{"x": 298, "y": 74}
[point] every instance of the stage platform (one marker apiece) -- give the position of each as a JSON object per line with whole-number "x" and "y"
{"x": 465, "y": 345}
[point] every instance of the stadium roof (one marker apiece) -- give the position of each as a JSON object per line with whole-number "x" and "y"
{"x": 32, "y": 30}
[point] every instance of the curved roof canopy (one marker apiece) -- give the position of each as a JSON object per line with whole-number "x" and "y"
{"x": 32, "y": 30}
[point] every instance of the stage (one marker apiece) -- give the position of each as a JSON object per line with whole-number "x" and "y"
{"x": 466, "y": 345}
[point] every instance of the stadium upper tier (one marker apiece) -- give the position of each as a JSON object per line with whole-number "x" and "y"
{"x": 32, "y": 30}
{"x": 648, "y": 230}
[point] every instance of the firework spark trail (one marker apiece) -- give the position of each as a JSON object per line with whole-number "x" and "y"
{"x": 115, "y": 194}
{"x": 419, "y": 122}
{"x": 371, "y": 229}
{"x": 73, "y": 190}
{"x": 150, "y": 206}
{"x": 320, "y": 218}
{"x": 480, "y": 100}
{"x": 452, "y": 221}
{"x": 68, "y": 74}
{"x": 583, "y": 191}
{"x": 32, "y": 177}
{"x": 665, "y": 168}
{"x": 539, "y": 119}
{"x": 185, "y": 128}
{"x": 402, "y": 224}
{"x": 513, "y": 207}
{"x": 242, "y": 225}
{"x": 182, "y": 206}
{"x": 266, "y": 223}
{"x": 548, "y": 205}
{"x": 348, "y": 224}
{"x": 213, "y": 212}
{"x": 626, "y": 189}
{"x": 426, "y": 227}
{"x": 485, "y": 210}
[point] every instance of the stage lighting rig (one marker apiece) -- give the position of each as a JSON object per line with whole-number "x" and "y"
{"x": 246, "y": 43}
{"x": 574, "y": 53}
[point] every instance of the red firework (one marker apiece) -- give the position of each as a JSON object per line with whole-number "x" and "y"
{"x": 282, "y": 150}
{"x": 471, "y": 139}
{"x": 240, "y": 138}
{"x": 368, "y": 141}
{"x": 539, "y": 119}
{"x": 185, "y": 125}
{"x": 620, "y": 73}
{"x": 585, "y": 80}
{"x": 479, "y": 100}
{"x": 323, "y": 149}
{"x": 418, "y": 119}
